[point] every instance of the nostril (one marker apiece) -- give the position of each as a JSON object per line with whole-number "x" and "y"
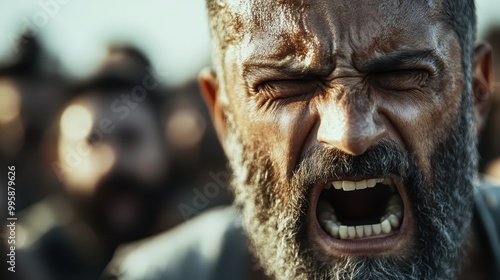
{"x": 353, "y": 144}
{"x": 357, "y": 144}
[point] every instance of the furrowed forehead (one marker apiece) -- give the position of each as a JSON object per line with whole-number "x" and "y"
{"x": 281, "y": 29}
{"x": 233, "y": 19}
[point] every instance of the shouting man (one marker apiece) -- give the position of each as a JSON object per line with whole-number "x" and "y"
{"x": 351, "y": 130}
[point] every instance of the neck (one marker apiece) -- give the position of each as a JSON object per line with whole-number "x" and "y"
{"x": 475, "y": 263}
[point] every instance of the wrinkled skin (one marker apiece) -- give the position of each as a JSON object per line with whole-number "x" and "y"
{"x": 338, "y": 79}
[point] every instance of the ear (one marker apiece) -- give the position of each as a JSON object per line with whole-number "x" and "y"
{"x": 482, "y": 83}
{"x": 209, "y": 86}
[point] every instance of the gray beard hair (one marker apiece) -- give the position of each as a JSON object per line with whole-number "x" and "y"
{"x": 274, "y": 220}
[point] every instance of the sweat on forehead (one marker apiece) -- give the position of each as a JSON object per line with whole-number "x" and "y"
{"x": 231, "y": 20}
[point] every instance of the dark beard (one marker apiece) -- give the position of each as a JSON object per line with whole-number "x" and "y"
{"x": 274, "y": 208}
{"x": 145, "y": 200}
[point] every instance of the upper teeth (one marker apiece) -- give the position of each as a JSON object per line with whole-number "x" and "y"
{"x": 358, "y": 185}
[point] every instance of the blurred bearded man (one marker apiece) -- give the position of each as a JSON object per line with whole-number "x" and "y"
{"x": 351, "y": 130}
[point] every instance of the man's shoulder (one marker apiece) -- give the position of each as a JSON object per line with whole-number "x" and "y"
{"x": 487, "y": 209}
{"x": 210, "y": 246}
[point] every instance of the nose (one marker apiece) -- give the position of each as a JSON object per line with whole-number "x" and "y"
{"x": 350, "y": 124}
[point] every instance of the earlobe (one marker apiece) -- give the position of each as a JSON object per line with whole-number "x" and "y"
{"x": 482, "y": 83}
{"x": 209, "y": 86}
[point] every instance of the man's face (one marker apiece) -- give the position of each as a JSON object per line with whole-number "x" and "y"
{"x": 350, "y": 138}
{"x": 114, "y": 163}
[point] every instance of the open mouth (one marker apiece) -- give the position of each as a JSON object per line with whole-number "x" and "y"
{"x": 362, "y": 209}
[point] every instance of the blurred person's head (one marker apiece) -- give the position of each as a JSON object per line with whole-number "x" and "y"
{"x": 11, "y": 127}
{"x": 26, "y": 89}
{"x": 30, "y": 97}
{"x": 112, "y": 157}
{"x": 186, "y": 126}
{"x": 191, "y": 137}
{"x": 351, "y": 130}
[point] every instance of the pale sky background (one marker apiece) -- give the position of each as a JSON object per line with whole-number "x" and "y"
{"x": 173, "y": 33}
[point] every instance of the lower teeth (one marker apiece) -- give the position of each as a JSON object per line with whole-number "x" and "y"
{"x": 388, "y": 223}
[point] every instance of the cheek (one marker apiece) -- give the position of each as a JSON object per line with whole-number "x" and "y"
{"x": 279, "y": 133}
{"x": 151, "y": 160}
{"x": 293, "y": 127}
{"x": 82, "y": 165}
{"x": 423, "y": 121}
{"x": 421, "y": 126}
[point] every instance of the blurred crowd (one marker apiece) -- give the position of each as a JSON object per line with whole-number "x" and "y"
{"x": 117, "y": 157}
{"x": 101, "y": 161}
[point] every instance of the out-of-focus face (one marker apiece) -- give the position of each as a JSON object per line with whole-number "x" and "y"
{"x": 350, "y": 137}
{"x": 10, "y": 118}
{"x": 112, "y": 159}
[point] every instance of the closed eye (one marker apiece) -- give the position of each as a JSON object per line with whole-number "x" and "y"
{"x": 287, "y": 88}
{"x": 400, "y": 80}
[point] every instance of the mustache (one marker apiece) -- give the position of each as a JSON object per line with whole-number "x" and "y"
{"x": 381, "y": 160}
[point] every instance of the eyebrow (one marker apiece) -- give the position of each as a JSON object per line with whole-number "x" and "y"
{"x": 255, "y": 70}
{"x": 402, "y": 59}
{"x": 283, "y": 69}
